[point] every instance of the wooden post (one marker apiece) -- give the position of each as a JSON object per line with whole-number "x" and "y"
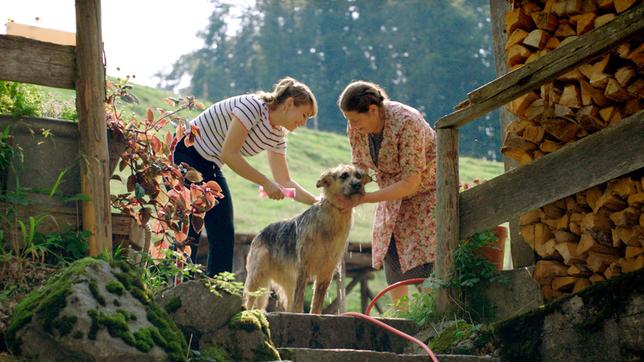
{"x": 447, "y": 218}
{"x": 521, "y": 253}
{"x": 364, "y": 295}
{"x": 342, "y": 272}
{"x": 90, "y": 102}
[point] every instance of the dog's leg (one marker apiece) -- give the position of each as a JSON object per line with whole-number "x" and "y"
{"x": 256, "y": 279}
{"x": 298, "y": 298}
{"x": 253, "y": 284}
{"x": 319, "y": 291}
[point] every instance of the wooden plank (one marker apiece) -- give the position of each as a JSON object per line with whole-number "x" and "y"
{"x": 41, "y": 34}
{"x": 90, "y": 97}
{"x": 58, "y": 218}
{"x": 447, "y": 206}
{"x": 602, "y": 156}
{"x": 521, "y": 253}
{"x": 548, "y": 67}
{"x": 32, "y": 61}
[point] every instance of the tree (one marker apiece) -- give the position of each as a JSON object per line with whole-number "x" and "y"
{"x": 425, "y": 53}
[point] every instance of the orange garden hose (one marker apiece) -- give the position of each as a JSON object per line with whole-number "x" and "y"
{"x": 395, "y": 331}
{"x": 388, "y": 327}
{"x": 393, "y": 286}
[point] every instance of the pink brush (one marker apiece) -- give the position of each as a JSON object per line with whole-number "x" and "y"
{"x": 287, "y": 192}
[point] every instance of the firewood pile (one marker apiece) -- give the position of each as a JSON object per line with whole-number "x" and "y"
{"x": 597, "y": 233}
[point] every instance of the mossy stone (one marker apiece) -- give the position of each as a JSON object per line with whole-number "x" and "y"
{"x": 173, "y": 304}
{"x": 46, "y": 302}
{"x": 250, "y": 320}
{"x": 115, "y": 287}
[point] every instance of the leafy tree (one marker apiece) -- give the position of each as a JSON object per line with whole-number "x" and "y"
{"x": 425, "y": 53}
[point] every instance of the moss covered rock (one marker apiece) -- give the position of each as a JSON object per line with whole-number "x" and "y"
{"x": 94, "y": 311}
{"x": 197, "y": 310}
{"x": 601, "y": 323}
{"x": 246, "y": 338}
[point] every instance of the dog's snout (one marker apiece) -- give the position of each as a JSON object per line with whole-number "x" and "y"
{"x": 356, "y": 186}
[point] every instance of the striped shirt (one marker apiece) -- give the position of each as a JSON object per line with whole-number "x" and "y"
{"x": 252, "y": 111}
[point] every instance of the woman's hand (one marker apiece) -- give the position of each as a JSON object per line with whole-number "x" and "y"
{"x": 273, "y": 190}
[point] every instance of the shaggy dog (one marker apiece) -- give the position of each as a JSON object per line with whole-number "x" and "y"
{"x": 307, "y": 247}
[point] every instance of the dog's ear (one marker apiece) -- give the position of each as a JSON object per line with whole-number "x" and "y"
{"x": 325, "y": 179}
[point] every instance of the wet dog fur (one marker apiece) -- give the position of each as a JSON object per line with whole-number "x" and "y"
{"x": 291, "y": 252}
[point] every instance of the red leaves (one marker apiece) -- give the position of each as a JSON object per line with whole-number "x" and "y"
{"x": 157, "y": 191}
{"x": 197, "y": 223}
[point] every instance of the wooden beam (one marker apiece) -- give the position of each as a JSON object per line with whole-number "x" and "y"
{"x": 521, "y": 253}
{"x": 447, "y": 183}
{"x": 548, "y": 67}
{"x": 32, "y": 61}
{"x": 603, "y": 156}
{"x": 90, "y": 103}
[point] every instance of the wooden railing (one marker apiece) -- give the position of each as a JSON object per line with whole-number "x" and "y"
{"x": 595, "y": 159}
{"x": 81, "y": 68}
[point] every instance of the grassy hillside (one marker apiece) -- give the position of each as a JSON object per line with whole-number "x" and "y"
{"x": 309, "y": 153}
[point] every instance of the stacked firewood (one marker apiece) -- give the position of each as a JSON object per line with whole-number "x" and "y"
{"x": 597, "y": 233}
{"x": 588, "y": 237}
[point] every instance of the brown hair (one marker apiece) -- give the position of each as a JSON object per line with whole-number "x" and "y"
{"x": 359, "y": 95}
{"x": 289, "y": 87}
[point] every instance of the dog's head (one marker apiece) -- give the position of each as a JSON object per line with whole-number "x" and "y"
{"x": 343, "y": 181}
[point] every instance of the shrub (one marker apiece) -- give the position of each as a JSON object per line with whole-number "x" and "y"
{"x": 18, "y": 99}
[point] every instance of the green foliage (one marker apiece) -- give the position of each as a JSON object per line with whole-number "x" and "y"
{"x": 65, "y": 246}
{"x": 7, "y": 150}
{"x": 449, "y": 340}
{"x": 420, "y": 308}
{"x": 405, "y": 46}
{"x": 159, "y": 274}
{"x": 224, "y": 282}
{"x": 18, "y": 99}
{"x": 474, "y": 273}
{"x": 59, "y": 109}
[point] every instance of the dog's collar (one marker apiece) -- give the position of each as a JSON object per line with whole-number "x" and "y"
{"x": 325, "y": 201}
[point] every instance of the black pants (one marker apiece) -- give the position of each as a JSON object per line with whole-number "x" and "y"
{"x": 219, "y": 220}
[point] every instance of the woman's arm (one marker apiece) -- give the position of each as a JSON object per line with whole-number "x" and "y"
{"x": 231, "y": 155}
{"x": 408, "y": 185}
{"x": 279, "y": 168}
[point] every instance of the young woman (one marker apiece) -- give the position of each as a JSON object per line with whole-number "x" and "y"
{"x": 396, "y": 142}
{"x": 241, "y": 126}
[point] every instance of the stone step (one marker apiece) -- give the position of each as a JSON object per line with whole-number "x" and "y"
{"x": 331, "y": 331}
{"x": 353, "y": 355}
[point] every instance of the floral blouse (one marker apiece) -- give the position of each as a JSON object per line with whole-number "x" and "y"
{"x": 407, "y": 148}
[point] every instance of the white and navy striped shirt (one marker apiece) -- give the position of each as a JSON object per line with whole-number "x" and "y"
{"x": 252, "y": 111}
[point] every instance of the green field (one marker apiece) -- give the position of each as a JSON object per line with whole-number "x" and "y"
{"x": 309, "y": 153}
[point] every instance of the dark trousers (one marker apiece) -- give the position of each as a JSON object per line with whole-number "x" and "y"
{"x": 219, "y": 220}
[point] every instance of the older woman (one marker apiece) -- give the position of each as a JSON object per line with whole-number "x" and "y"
{"x": 396, "y": 142}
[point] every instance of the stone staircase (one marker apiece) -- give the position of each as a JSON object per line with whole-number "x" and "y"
{"x": 331, "y": 338}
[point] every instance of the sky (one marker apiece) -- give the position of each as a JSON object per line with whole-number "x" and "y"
{"x": 141, "y": 37}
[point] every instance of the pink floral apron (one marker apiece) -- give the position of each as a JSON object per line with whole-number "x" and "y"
{"x": 408, "y": 147}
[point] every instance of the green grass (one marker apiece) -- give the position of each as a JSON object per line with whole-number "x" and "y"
{"x": 309, "y": 153}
